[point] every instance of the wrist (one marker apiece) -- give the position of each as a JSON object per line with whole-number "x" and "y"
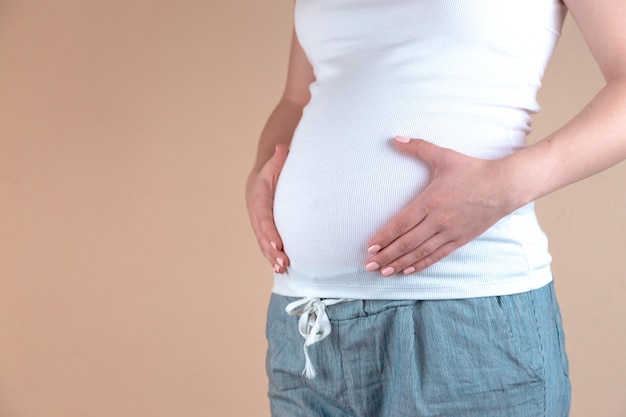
{"x": 525, "y": 177}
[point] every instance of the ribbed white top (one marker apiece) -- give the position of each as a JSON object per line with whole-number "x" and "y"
{"x": 462, "y": 74}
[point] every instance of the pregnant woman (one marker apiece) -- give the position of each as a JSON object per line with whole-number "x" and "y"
{"x": 393, "y": 195}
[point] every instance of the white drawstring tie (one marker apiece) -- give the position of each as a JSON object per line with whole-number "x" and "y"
{"x": 313, "y": 325}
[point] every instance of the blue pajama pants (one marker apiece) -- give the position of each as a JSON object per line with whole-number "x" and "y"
{"x": 500, "y": 356}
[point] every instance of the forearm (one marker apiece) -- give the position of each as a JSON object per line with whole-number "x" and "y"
{"x": 591, "y": 142}
{"x": 279, "y": 128}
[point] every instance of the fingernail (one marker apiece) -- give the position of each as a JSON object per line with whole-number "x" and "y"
{"x": 280, "y": 262}
{"x": 372, "y": 266}
{"x": 277, "y": 269}
{"x": 372, "y": 250}
{"x": 409, "y": 270}
{"x": 402, "y": 139}
{"x": 274, "y": 245}
{"x": 388, "y": 271}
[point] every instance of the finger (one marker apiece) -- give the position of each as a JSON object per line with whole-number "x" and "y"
{"x": 411, "y": 242}
{"x": 277, "y": 259}
{"x": 433, "y": 258}
{"x": 265, "y": 221}
{"x": 267, "y": 235}
{"x": 411, "y": 216}
{"x": 276, "y": 256}
{"x": 262, "y": 213}
{"x": 421, "y": 149}
{"x": 408, "y": 259}
{"x": 277, "y": 161}
{"x": 269, "y": 248}
{"x": 415, "y": 212}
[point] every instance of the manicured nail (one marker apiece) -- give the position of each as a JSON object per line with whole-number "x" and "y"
{"x": 280, "y": 262}
{"x": 277, "y": 269}
{"x": 409, "y": 270}
{"x": 388, "y": 271}
{"x": 402, "y": 139}
{"x": 372, "y": 266}
{"x": 274, "y": 245}
{"x": 372, "y": 250}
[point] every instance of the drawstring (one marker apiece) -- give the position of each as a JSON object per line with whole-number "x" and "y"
{"x": 313, "y": 324}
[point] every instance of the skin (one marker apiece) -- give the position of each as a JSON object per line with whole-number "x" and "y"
{"x": 466, "y": 195}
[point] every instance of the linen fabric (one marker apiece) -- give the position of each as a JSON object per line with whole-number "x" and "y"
{"x": 500, "y": 356}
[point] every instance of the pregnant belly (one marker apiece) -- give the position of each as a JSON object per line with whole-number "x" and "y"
{"x": 332, "y": 198}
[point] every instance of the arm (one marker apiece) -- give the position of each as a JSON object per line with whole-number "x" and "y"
{"x": 596, "y": 138}
{"x": 272, "y": 153}
{"x": 469, "y": 195}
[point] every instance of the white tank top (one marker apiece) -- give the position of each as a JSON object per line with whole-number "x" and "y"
{"x": 462, "y": 74}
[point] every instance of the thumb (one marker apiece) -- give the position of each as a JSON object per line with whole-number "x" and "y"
{"x": 421, "y": 149}
{"x": 280, "y": 155}
{"x": 278, "y": 160}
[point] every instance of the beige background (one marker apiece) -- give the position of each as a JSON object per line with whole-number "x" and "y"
{"x": 130, "y": 284}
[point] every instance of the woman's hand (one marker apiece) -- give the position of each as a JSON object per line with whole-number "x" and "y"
{"x": 260, "y": 190}
{"x": 466, "y": 196}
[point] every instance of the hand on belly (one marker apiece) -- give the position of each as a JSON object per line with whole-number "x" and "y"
{"x": 260, "y": 191}
{"x": 465, "y": 198}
